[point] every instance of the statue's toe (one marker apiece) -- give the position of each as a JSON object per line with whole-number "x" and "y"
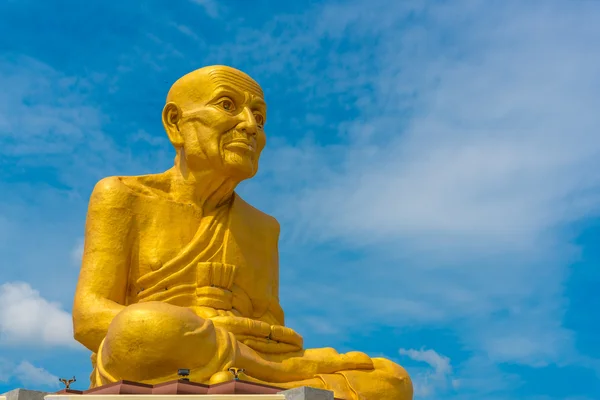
{"x": 390, "y": 367}
{"x": 361, "y": 360}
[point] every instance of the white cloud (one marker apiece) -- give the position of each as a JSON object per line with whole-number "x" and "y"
{"x": 28, "y": 318}
{"x": 49, "y": 119}
{"x": 27, "y": 374}
{"x": 42, "y": 111}
{"x": 478, "y": 377}
{"x": 500, "y": 148}
{"x": 314, "y": 325}
{"x": 436, "y": 378}
{"x": 145, "y": 137}
{"x": 474, "y": 152}
{"x": 475, "y": 144}
{"x": 187, "y": 31}
{"x": 211, "y": 7}
{"x": 77, "y": 253}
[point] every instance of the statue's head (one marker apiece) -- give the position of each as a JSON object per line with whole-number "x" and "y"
{"x": 214, "y": 117}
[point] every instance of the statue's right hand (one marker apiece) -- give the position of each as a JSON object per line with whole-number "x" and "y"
{"x": 242, "y": 326}
{"x": 205, "y": 312}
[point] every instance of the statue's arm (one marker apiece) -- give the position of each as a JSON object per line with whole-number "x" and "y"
{"x": 275, "y": 307}
{"x": 275, "y": 315}
{"x": 102, "y": 284}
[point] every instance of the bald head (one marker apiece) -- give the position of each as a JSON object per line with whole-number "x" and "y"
{"x": 199, "y": 85}
{"x": 214, "y": 117}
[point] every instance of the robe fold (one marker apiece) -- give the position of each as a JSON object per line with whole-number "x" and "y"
{"x": 234, "y": 270}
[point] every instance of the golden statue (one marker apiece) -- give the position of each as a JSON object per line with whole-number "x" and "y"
{"x": 179, "y": 272}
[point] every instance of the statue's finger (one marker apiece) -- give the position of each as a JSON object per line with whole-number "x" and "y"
{"x": 269, "y": 347}
{"x": 287, "y": 335}
{"x": 205, "y": 312}
{"x": 240, "y": 325}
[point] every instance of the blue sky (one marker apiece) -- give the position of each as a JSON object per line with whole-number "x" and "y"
{"x": 434, "y": 166}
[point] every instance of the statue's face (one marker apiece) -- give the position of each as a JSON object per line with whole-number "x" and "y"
{"x": 222, "y": 123}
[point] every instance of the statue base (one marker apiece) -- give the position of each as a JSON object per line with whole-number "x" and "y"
{"x": 23, "y": 394}
{"x": 127, "y": 390}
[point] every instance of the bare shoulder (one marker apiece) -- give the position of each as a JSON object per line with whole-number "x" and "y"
{"x": 109, "y": 184}
{"x": 152, "y": 185}
{"x": 258, "y": 217}
{"x": 118, "y": 190}
{"x": 110, "y": 191}
{"x": 109, "y": 187}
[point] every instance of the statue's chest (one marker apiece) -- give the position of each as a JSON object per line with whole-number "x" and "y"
{"x": 161, "y": 232}
{"x": 170, "y": 230}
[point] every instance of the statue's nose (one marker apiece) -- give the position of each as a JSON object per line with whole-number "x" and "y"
{"x": 248, "y": 126}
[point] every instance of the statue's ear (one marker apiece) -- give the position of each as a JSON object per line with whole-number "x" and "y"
{"x": 171, "y": 116}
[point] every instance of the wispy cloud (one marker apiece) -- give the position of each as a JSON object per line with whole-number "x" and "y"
{"x": 41, "y": 110}
{"x": 27, "y": 375}
{"x": 442, "y": 151}
{"x": 187, "y": 31}
{"x": 211, "y": 7}
{"x": 438, "y": 377}
{"x": 77, "y": 252}
{"x": 472, "y": 155}
{"x": 31, "y": 375}
{"x": 28, "y": 318}
{"x": 49, "y": 118}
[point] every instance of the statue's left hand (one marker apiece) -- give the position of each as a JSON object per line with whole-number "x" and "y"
{"x": 281, "y": 340}
{"x": 286, "y": 335}
{"x": 261, "y": 335}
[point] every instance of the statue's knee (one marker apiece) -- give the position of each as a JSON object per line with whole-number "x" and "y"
{"x": 151, "y": 325}
{"x": 132, "y": 321}
{"x": 133, "y": 314}
{"x": 150, "y": 316}
{"x": 152, "y": 334}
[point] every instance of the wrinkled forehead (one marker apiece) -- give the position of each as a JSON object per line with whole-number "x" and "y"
{"x": 232, "y": 78}
{"x": 200, "y": 85}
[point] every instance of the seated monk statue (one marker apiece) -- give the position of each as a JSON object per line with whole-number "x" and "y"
{"x": 179, "y": 272}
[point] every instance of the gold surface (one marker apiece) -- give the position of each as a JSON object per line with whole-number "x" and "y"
{"x": 179, "y": 272}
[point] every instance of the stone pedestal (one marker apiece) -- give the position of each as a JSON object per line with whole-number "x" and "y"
{"x": 24, "y": 394}
{"x": 232, "y": 390}
{"x": 307, "y": 393}
{"x": 125, "y": 390}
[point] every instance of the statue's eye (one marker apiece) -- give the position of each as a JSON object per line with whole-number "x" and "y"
{"x": 260, "y": 120}
{"x": 227, "y": 104}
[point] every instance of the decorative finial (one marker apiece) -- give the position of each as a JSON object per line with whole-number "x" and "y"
{"x": 67, "y": 382}
{"x": 183, "y": 374}
{"x": 236, "y": 372}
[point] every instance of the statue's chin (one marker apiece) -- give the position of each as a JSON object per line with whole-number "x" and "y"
{"x": 240, "y": 168}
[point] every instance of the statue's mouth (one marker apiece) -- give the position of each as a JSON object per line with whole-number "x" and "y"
{"x": 240, "y": 145}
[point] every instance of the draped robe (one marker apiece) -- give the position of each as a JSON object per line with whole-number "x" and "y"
{"x": 231, "y": 265}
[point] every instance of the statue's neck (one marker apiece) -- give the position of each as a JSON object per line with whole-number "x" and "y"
{"x": 205, "y": 189}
